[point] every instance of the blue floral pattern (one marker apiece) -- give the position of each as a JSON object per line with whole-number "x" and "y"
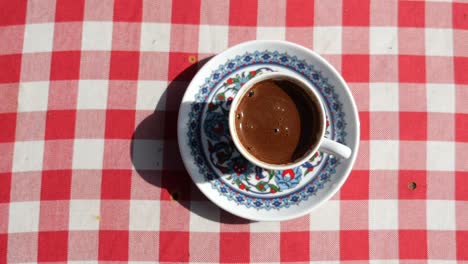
{"x": 219, "y": 161}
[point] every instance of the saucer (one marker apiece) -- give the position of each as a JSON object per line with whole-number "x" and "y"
{"x": 216, "y": 166}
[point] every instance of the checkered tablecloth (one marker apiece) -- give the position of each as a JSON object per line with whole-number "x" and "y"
{"x": 90, "y": 170}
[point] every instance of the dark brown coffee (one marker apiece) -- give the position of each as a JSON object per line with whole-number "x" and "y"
{"x": 277, "y": 122}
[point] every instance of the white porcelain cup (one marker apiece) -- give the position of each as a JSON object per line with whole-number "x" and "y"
{"x": 324, "y": 144}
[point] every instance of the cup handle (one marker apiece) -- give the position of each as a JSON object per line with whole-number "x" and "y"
{"x": 334, "y": 148}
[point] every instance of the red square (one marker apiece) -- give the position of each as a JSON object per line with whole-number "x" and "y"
{"x": 174, "y": 246}
{"x": 234, "y": 247}
{"x": 356, "y": 12}
{"x": 8, "y": 125}
{"x": 3, "y": 244}
{"x": 5, "y": 182}
{"x": 10, "y": 65}
{"x": 95, "y": 65}
{"x": 355, "y": 68}
{"x": 356, "y": 186}
{"x": 186, "y": 12}
{"x": 180, "y": 67}
{"x": 299, "y": 13}
{"x": 52, "y": 246}
{"x": 113, "y": 245}
{"x": 116, "y": 184}
{"x": 56, "y": 185}
{"x": 125, "y": 10}
{"x": 354, "y": 245}
{"x": 69, "y": 10}
{"x": 175, "y": 185}
{"x": 67, "y": 36}
{"x": 412, "y": 68}
{"x": 120, "y": 124}
{"x": 364, "y": 118}
{"x": 295, "y": 246}
{"x": 459, "y": 15}
{"x": 462, "y": 245}
{"x": 12, "y": 13}
{"x": 461, "y": 185}
{"x": 460, "y": 68}
{"x": 238, "y": 15}
{"x": 413, "y": 125}
{"x": 411, "y": 13}
{"x": 405, "y": 178}
{"x": 65, "y": 65}
{"x": 60, "y": 124}
{"x": 413, "y": 244}
{"x": 124, "y": 65}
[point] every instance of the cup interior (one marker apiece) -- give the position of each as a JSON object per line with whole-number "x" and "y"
{"x": 307, "y": 90}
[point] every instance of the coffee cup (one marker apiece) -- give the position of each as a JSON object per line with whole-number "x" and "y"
{"x": 277, "y": 121}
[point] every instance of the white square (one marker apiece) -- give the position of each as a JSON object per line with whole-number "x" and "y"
{"x": 23, "y": 217}
{"x": 383, "y": 96}
{"x": 155, "y": 37}
{"x": 384, "y": 154}
{"x": 383, "y": 261}
{"x": 144, "y": 215}
{"x": 260, "y": 227}
{"x": 439, "y": 41}
{"x": 440, "y": 214}
{"x": 212, "y": 39}
{"x": 33, "y": 96}
{"x": 151, "y": 95}
{"x": 97, "y": 36}
{"x": 326, "y": 217}
{"x": 440, "y": 98}
{"x": 440, "y": 261}
{"x": 88, "y": 153}
{"x": 92, "y": 94}
{"x": 271, "y": 33}
{"x": 147, "y": 154}
{"x": 38, "y": 37}
{"x": 84, "y": 214}
{"x": 327, "y": 40}
{"x": 383, "y": 214}
{"x": 204, "y": 217}
{"x": 383, "y": 40}
{"x": 28, "y": 156}
{"x": 440, "y": 156}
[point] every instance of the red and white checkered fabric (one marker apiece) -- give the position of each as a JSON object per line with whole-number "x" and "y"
{"x": 84, "y": 81}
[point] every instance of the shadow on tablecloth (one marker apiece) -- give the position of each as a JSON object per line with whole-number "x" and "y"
{"x": 172, "y": 178}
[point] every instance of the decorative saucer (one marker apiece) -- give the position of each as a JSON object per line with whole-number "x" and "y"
{"x": 218, "y": 169}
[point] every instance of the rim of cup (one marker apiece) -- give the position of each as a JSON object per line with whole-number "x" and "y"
{"x": 279, "y": 76}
